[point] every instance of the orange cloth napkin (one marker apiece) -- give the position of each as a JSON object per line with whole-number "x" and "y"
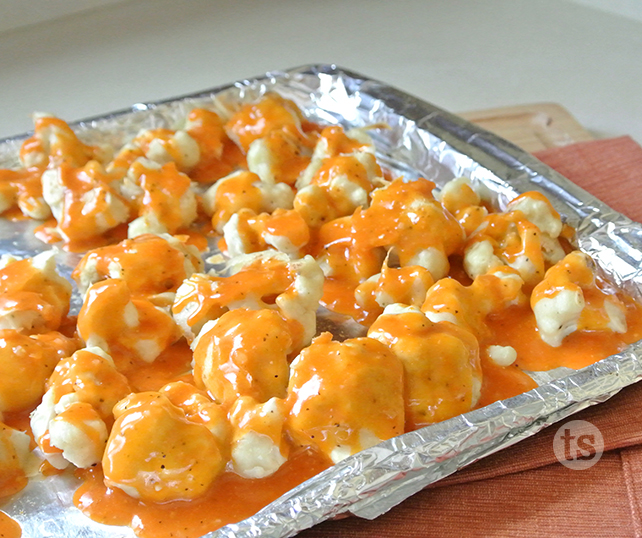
{"x": 523, "y": 491}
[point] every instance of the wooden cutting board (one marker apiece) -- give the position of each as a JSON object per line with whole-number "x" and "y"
{"x": 533, "y": 127}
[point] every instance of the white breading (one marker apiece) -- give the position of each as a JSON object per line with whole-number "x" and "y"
{"x": 78, "y": 447}
{"x": 434, "y": 260}
{"x": 557, "y": 316}
{"x": 8, "y": 259}
{"x": 260, "y": 160}
{"x": 145, "y": 224}
{"x": 539, "y": 213}
{"x": 398, "y": 308}
{"x": 453, "y": 188}
{"x": 256, "y": 456}
{"x": 257, "y": 435}
{"x": 234, "y": 241}
{"x": 480, "y": 259}
{"x": 188, "y": 149}
{"x": 525, "y": 267}
{"x": 502, "y": 355}
{"x": 282, "y": 244}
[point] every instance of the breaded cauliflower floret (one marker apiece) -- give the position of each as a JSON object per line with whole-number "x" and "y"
{"x": 405, "y": 285}
{"x": 280, "y": 156}
{"x": 469, "y": 306}
{"x": 405, "y": 217}
{"x": 174, "y": 261}
{"x": 261, "y": 280}
{"x": 525, "y": 238}
{"x": 23, "y": 188}
{"x": 461, "y": 199}
{"x": 569, "y": 300}
{"x": 25, "y": 364}
{"x": 82, "y": 201}
{"x": 259, "y": 447}
{"x": 341, "y": 185}
{"x": 164, "y": 146}
{"x": 128, "y": 328}
{"x": 284, "y": 230}
{"x": 17, "y": 462}
{"x": 54, "y": 143}
{"x": 442, "y": 370}
{"x": 219, "y": 156}
{"x": 256, "y": 120}
{"x": 156, "y": 453}
{"x": 334, "y": 141}
{"x": 244, "y": 353}
{"x": 34, "y": 298}
{"x": 72, "y": 422}
{"x": 345, "y": 396}
{"x": 167, "y": 203}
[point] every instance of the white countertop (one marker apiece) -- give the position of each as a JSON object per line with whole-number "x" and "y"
{"x": 460, "y": 55}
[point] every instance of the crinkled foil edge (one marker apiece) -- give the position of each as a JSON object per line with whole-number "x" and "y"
{"x": 423, "y": 141}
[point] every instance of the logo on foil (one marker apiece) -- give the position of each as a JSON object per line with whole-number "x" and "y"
{"x": 578, "y": 445}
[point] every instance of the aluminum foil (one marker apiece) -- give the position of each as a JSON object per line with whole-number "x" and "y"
{"x": 423, "y": 140}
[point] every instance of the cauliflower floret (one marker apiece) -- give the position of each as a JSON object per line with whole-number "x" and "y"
{"x": 261, "y": 280}
{"x": 244, "y": 353}
{"x": 82, "y": 201}
{"x": 174, "y": 261}
{"x": 539, "y": 211}
{"x": 167, "y": 202}
{"x": 345, "y": 396}
{"x": 33, "y": 297}
{"x": 442, "y": 370}
{"x": 72, "y": 422}
{"x": 156, "y": 453}
{"x": 280, "y": 156}
{"x": 258, "y": 444}
{"x": 54, "y": 142}
{"x": 461, "y": 199}
{"x": 165, "y": 146}
{"x": 407, "y": 285}
{"x": 469, "y": 306}
{"x": 342, "y": 184}
{"x": 244, "y": 190}
{"x": 219, "y": 156}
{"x": 332, "y": 142}
{"x": 569, "y": 300}
{"x": 128, "y": 328}
{"x": 17, "y": 462}
{"x": 257, "y": 120}
{"x": 25, "y": 364}
{"x": 405, "y": 217}
{"x": 284, "y": 230}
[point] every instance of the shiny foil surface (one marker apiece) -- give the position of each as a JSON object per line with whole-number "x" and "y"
{"x": 423, "y": 140}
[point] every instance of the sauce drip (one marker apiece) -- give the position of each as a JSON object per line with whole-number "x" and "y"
{"x": 230, "y": 499}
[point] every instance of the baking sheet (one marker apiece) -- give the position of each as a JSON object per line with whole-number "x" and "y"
{"x": 423, "y": 141}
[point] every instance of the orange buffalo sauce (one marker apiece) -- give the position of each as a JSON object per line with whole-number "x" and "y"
{"x": 230, "y": 499}
{"x": 9, "y": 527}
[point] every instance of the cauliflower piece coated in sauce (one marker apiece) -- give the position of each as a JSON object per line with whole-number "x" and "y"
{"x": 261, "y": 280}
{"x": 167, "y": 202}
{"x": 244, "y": 353}
{"x": 72, "y": 422}
{"x": 17, "y": 463}
{"x": 345, "y": 396}
{"x": 569, "y": 300}
{"x": 129, "y": 260}
{"x": 244, "y": 190}
{"x": 442, "y": 370}
{"x": 284, "y": 230}
{"x": 34, "y": 298}
{"x": 157, "y": 452}
{"x": 127, "y": 327}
